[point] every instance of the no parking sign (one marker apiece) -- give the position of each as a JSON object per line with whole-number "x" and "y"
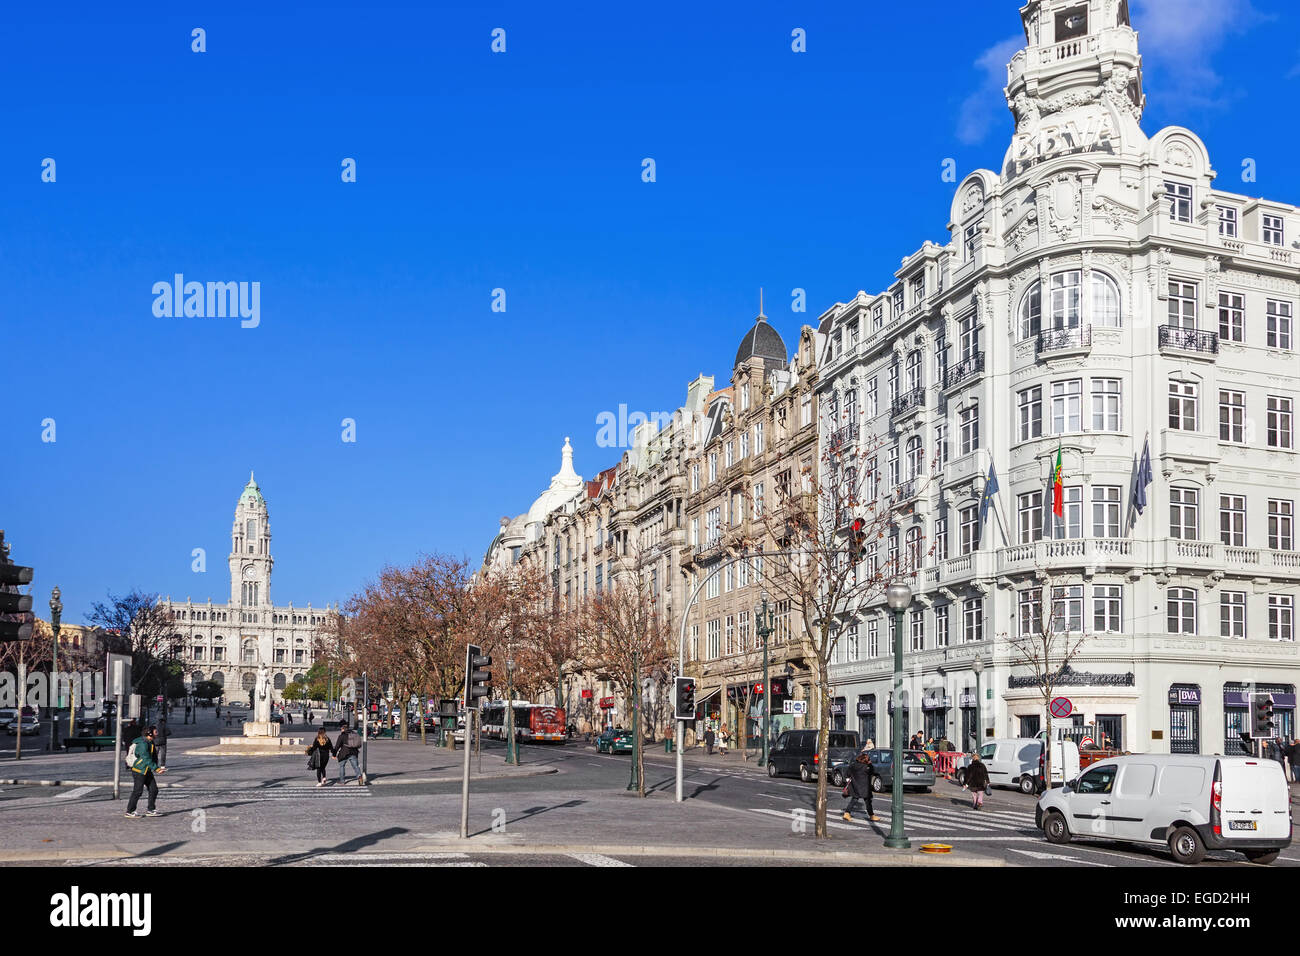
{"x": 1061, "y": 707}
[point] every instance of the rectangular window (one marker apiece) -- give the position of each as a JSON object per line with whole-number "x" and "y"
{"x": 893, "y": 385}
{"x": 1070, "y": 525}
{"x": 878, "y": 318}
{"x": 873, "y": 400}
{"x": 713, "y": 526}
{"x": 1106, "y": 405}
{"x": 1066, "y": 298}
{"x": 711, "y": 589}
{"x": 1227, "y": 222}
{"x": 1184, "y": 405}
{"x": 1280, "y": 517}
{"x": 1279, "y": 316}
{"x": 941, "y": 626}
{"x": 1067, "y": 609}
{"x": 970, "y": 530}
{"x": 728, "y": 579}
{"x": 1108, "y": 608}
{"x": 1274, "y": 233}
{"x": 730, "y": 635}
{"x": 1105, "y": 511}
{"x": 1281, "y": 617}
{"x": 1180, "y": 201}
{"x": 1029, "y": 605}
{"x": 1029, "y": 509}
{"x": 973, "y": 620}
{"x": 695, "y": 532}
{"x": 1182, "y": 304}
{"x": 1232, "y": 416}
{"x": 744, "y": 445}
{"x": 897, "y": 301}
{"x": 713, "y": 466}
{"x": 973, "y": 238}
{"x": 1280, "y": 425}
{"x": 695, "y": 476}
{"x": 1183, "y": 519}
{"x": 1182, "y": 611}
{"x": 970, "y": 429}
{"x": 1232, "y": 520}
{"x": 918, "y": 289}
{"x": 893, "y": 468}
{"x": 695, "y": 642}
{"x": 1067, "y": 403}
{"x": 941, "y": 442}
{"x": 918, "y": 630}
{"x": 729, "y": 454}
{"x": 873, "y": 639}
{"x": 1232, "y": 614}
{"x": 758, "y": 439}
{"x": 1232, "y": 317}
{"x": 758, "y": 500}
{"x": 854, "y": 649}
{"x": 1031, "y": 413}
{"x": 805, "y": 412}
{"x": 713, "y": 640}
{"x": 941, "y": 538}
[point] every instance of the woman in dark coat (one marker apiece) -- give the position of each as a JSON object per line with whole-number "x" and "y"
{"x": 319, "y": 753}
{"x": 977, "y": 778}
{"x": 859, "y": 785}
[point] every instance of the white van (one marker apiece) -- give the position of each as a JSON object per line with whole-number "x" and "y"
{"x": 1188, "y": 802}
{"x": 1017, "y": 762}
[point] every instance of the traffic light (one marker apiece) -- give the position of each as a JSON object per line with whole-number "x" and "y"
{"x": 1262, "y": 726}
{"x": 858, "y": 545}
{"x": 476, "y": 681}
{"x": 684, "y": 698}
{"x": 11, "y": 602}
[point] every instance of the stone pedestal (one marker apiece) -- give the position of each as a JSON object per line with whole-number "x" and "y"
{"x": 256, "y": 728}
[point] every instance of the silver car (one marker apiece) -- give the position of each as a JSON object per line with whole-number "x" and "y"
{"x": 918, "y": 770}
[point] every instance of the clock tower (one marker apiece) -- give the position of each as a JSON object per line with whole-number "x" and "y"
{"x": 250, "y": 550}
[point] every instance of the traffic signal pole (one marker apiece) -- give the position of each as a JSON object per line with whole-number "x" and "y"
{"x": 475, "y": 687}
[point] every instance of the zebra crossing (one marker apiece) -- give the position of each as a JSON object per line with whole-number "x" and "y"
{"x": 274, "y": 793}
{"x": 932, "y": 821}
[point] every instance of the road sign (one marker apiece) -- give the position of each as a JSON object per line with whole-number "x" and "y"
{"x": 1061, "y": 707}
{"x": 1086, "y": 742}
{"x": 118, "y": 667}
{"x": 796, "y": 706}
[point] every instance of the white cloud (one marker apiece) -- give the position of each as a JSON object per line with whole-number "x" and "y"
{"x": 980, "y": 110}
{"x": 1179, "y": 39}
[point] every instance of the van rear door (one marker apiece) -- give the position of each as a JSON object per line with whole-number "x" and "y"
{"x": 1255, "y": 800}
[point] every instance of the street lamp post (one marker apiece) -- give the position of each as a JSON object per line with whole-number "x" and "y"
{"x": 56, "y": 614}
{"x": 512, "y": 749}
{"x": 978, "y": 668}
{"x": 763, "y": 625}
{"x": 899, "y": 596}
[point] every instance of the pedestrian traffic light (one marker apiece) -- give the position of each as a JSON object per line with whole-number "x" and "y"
{"x": 18, "y": 627}
{"x": 476, "y": 681}
{"x": 684, "y": 698}
{"x": 858, "y": 545}
{"x": 1262, "y": 726}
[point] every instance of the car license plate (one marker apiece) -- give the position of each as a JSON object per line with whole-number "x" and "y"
{"x": 916, "y": 770}
{"x": 1242, "y": 825}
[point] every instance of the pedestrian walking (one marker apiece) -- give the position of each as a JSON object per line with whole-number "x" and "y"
{"x": 723, "y": 737}
{"x": 977, "y": 780}
{"x": 708, "y": 740}
{"x": 163, "y": 733}
{"x": 858, "y": 786}
{"x": 1293, "y": 754}
{"x": 318, "y": 756}
{"x": 142, "y": 760}
{"x": 346, "y": 749}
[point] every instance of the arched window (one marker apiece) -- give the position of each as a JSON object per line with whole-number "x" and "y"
{"x": 250, "y": 652}
{"x": 279, "y": 681}
{"x": 218, "y": 678}
{"x": 1105, "y": 301}
{"x": 196, "y": 677}
{"x": 915, "y": 458}
{"x": 1067, "y": 302}
{"x": 1031, "y": 312}
{"x": 248, "y": 680}
{"x": 914, "y": 371}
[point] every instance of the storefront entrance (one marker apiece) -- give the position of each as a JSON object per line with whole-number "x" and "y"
{"x": 867, "y": 718}
{"x": 1185, "y": 719}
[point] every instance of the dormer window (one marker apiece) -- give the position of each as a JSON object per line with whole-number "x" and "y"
{"x": 1072, "y": 23}
{"x": 918, "y": 288}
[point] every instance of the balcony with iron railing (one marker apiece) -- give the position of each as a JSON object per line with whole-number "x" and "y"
{"x": 1175, "y": 339}
{"x": 1058, "y": 342}
{"x": 843, "y": 437}
{"x": 964, "y": 371}
{"x": 910, "y": 402}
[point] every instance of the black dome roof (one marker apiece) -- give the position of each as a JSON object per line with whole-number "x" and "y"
{"x": 764, "y": 342}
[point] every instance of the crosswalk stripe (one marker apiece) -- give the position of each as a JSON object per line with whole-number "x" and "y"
{"x": 74, "y": 793}
{"x": 596, "y": 859}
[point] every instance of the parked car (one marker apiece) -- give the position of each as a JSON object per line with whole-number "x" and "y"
{"x": 614, "y": 741}
{"x": 7, "y": 716}
{"x": 30, "y": 726}
{"x": 796, "y": 752}
{"x": 918, "y": 770}
{"x": 1188, "y": 802}
{"x": 1018, "y": 762}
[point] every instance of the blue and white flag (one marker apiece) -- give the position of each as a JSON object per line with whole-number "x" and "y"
{"x": 1143, "y": 478}
{"x": 990, "y": 489}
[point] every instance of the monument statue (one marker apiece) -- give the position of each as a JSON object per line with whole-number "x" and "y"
{"x": 262, "y": 696}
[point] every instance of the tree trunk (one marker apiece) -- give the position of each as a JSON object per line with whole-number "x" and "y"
{"x": 823, "y": 736}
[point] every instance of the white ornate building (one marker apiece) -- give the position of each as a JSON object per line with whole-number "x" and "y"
{"x": 1097, "y": 292}
{"x": 226, "y": 642}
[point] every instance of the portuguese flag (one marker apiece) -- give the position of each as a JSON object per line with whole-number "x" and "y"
{"x": 1058, "y": 488}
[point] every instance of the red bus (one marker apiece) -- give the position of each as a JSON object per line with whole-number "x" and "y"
{"x": 533, "y": 722}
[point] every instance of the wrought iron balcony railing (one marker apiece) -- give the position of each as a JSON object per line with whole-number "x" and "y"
{"x": 964, "y": 370}
{"x": 909, "y": 402}
{"x": 1188, "y": 340}
{"x": 1065, "y": 340}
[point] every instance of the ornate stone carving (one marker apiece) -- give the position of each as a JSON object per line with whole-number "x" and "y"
{"x": 1115, "y": 215}
{"x": 1027, "y": 227}
{"x": 974, "y": 198}
{"x": 1177, "y": 154}
{"x": 1063, "y": 206}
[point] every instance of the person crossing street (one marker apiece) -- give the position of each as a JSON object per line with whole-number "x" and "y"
{"x": 859, "y": 786}
{"x": 142, "y": 759}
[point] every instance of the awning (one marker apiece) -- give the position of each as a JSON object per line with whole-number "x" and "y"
{"x": 701, "y": 701}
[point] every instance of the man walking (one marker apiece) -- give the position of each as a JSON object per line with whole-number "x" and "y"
{"x": 859, "y": 786}
{"x": 142, "y": 759}
{"x": 708, "y": 741}
{"x": 346, "y": 749}
{"x": 161, "y": 742}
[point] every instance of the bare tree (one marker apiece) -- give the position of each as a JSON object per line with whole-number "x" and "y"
{"x": 138, "y": 625}
{"x": 823, "y": 536}
{"x": 1045, "y": 644}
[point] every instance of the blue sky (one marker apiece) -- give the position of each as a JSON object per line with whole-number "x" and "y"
{"x": 475, "y": 171}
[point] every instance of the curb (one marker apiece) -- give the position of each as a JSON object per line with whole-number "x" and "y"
{"x": 210, "y": 786}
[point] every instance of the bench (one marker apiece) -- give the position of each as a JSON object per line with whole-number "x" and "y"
{"x": 90, "y": 743}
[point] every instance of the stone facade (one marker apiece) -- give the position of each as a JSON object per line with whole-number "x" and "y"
{"x": 226, "y": 642}
{"x": 1097, "y": 294}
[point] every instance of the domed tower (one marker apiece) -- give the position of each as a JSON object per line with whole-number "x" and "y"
{"x": 762, "y": 342}
{"x": 250, "y": 550}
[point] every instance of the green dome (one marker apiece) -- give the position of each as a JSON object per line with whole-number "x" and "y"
{"x": 252, "y": 492}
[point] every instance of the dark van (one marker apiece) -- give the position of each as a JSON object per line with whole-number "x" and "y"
{"x": 796, "y": 752}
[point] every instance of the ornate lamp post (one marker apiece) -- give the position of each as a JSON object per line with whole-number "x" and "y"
{"x": 899, "y": 596}
{"x": 512, "y": 748}
{"x": 764, "y": 625}
{"x": 978, "y": 668}
{"x": 56, "y": 614}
